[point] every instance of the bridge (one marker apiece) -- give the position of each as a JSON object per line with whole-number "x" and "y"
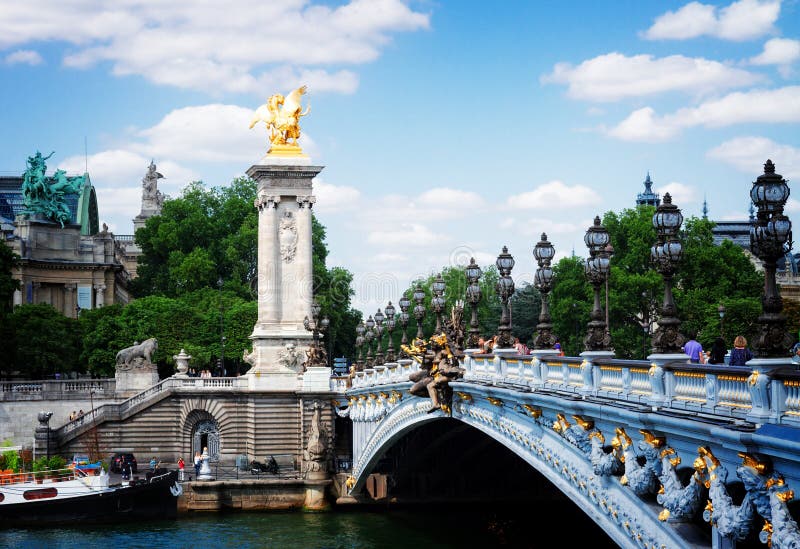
{"x": 658, "y": 453}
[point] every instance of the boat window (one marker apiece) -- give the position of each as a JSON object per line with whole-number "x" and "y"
{"x": 40, "y": 493}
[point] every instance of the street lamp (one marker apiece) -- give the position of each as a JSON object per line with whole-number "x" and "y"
{"x": 405, "y": 303}
{"x": 721, "y": 311}
{"x": 360, "y": 329}
{"x": 768, "y": 235}
{"x": 220, "y": 282}
{"x": 437, "y": 301}
{"x": 419, "y": 308}
{"x": 473, "y": 274}
{"x": 505, "y": 289}
{"x": 368, "y": 336}
{"x": 543, "y": 281}
{"x": 666, "y": 254}
{"x": 597, "y": 269}
{"x": 390, "y": 325}
{"x": 379, "y": 337}
{"x": 318, "y": 356}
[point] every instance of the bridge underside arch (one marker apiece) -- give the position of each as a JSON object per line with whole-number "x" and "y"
{"x": 468, "y": 476}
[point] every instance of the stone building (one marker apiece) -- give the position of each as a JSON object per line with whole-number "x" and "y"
{"x": 73, "y": 267}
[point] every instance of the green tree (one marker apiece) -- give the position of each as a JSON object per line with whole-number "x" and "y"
{"x": 8, "y": 284}
{"x": 45, "y": 342}
{"x": 526, "y": 304}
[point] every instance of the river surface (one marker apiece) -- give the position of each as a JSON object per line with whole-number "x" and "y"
{"x": 357, "y": 529}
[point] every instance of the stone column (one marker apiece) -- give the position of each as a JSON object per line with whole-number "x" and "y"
{"x": 99, "y": 296}
{"x": 17, "y": 297}
{"x": 69, "y": 300}
{"x": 268, "y": 286}
{"x": 36, "y": 287}
{"x": 305, "y": 285}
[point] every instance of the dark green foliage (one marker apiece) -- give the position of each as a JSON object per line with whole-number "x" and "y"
{"x": 44, "y": 341}
{"x": 526, "y": 304}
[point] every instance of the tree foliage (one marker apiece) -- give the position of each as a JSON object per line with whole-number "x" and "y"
{"x": 45, "y": 342}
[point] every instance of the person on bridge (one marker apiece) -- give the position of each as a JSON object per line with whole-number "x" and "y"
{"x": 718, "y": 352}
{"x": 693, "y": 348}
{"x": 740, "y": 353}
{"x": 181, "y": 465}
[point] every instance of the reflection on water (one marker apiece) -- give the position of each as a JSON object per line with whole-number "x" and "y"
{"x": 430, "y": 527}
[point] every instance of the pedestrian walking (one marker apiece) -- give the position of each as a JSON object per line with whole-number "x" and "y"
{"x": 197, "y": 462}
{"x": 181, "y": 465}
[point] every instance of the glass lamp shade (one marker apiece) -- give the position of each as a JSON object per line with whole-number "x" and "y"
{"x": 438, "y": 285}
{"x": 779, "y": 228}
{"x": 404, "y": 318}
{"x": 721, "y": 310}
{"x": 360, "y": 329}
{"x": 315, "y": 309}
{"x": 419, "y": 295}
{"x": 657, "y": 251}
{"x": 673, "y": 250}
{"x": 404, "y": 303}
{"x": 419, "y": 310}
{"x": 369, "y": 335}
{"x": 543, "y": 276}
{"x": 473, "y": 272}
{"x": 770, "y": 191}
{"x": 359, "y": 340}
{"x": 543, "y": 251}
{"x": 390, "y": 324}
{"x": 668, "y": 218}
{"x": 379, "y": 317}
{"x": 505, "y": 262}
{"x": 474, "y": 292}
{"x": 325, "y": 323}
{"x": 370, "y": 323}
{"x": 389, "y": 310}
{"x": 437, "y": 303}
{"x": 596, "y": 237}
{"x": 505, "y": 286}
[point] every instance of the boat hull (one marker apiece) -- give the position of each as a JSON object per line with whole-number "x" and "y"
{"x": 140, "y": 500}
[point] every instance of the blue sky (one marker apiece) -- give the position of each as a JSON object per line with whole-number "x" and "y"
{"x": 447, "y": 129}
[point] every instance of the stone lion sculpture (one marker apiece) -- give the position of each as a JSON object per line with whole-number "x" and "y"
{"x": 144, "y": 351}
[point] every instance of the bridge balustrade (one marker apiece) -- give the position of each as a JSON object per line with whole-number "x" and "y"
{"x": 55, "y": 389}
{"x": 764, "y": 391}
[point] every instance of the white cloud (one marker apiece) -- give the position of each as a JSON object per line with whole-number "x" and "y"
{"x": 682, "y": 194}
{"x": 335, "y": 198}
{"x": 248, "y": 46}
{"x": 748, "y": 154}
{"x": 24, "y": 57}
{"x": 779, "y": 106}
{"x": 742, "y": 20}
{"x": 778, "y": 51}
{"x": 406, "y": 234}
{"x": 122, "y": 169}
{"x": 554, "y": 195}
{"x": 614, "y": 76}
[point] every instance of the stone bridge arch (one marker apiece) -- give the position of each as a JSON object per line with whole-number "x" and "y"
{"x": 526, "y": 433}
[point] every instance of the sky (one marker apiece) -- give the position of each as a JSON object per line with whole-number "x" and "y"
{"x": 448, "y": 129}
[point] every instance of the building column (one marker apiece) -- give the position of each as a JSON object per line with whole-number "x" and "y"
{"x": 17, "y": 297}
{"x": 305, "y": 258}
{"x": 268, "y": 287}
{"x": 99, "y": 296}
{"x": 70, "y": 300}
{"x": 36, "y": 287}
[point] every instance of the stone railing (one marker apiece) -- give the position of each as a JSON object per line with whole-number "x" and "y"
{"x": 57, "y": 389}
{"x": 764, "y": 391}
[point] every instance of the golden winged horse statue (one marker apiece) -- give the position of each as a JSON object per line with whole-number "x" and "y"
{"x": 282, "y": 118}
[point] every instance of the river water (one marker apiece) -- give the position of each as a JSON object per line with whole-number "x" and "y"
{"x": 356, "y": 529}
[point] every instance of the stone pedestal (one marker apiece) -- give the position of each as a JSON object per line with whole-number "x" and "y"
{"x": 285, "y": 273}
{"x": 317, "y": 379}
{"x": 137, "y": 379}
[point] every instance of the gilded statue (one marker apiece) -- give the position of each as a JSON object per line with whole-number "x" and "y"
{"x": 282, "y": 118}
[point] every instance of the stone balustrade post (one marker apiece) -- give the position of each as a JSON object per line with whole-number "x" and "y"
{"x": 765, "y": 397}
{"x": 662, "y": 383}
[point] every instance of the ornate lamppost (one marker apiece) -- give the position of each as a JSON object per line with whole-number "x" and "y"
{"x": 419, "y": 308}
{"x": 666, "y": 254}
{"x": 505, "y": 289}
{"x": 596, "y": 269}
{"x": 721, "y": 311}
{"x": 360, "y": 329}
{"x": 379, "y": 337}
{"x": 473, "y": 274}
{"x": 368, "y": 336}
{"x": 405, "y": 303}
{"x": 437, "y": 301}
{"x": 543, "y": 281}
{"x": 318, "y": 356}
{"x": 390, "y": 324}
{"x": 768, "y": 235}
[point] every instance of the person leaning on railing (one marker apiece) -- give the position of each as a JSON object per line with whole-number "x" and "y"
{"x": 740, "y": 353}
